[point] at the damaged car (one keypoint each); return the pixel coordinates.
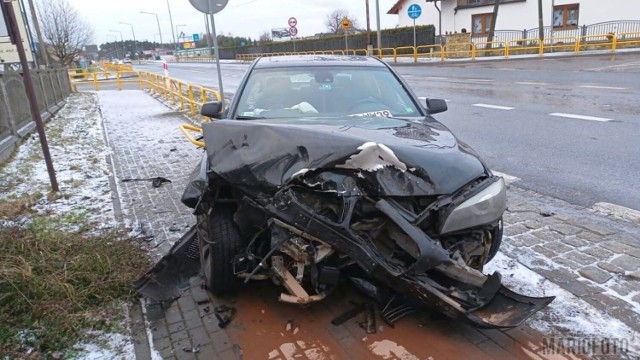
(325, 169)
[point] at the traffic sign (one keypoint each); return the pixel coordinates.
(209, 6)
(196, 37)
(414, 11)
(346, 24)
(293, 22)
(293, 31)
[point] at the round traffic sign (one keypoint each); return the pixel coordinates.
(293, 22)
(209, 6)
(293, 31)
(414, 11)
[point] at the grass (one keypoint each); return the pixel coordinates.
(55, 284)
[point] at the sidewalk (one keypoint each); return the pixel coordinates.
(589, 261)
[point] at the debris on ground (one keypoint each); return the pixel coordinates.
(156, 182)
(224, 314)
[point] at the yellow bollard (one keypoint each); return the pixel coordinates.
(191, 104)
(95, 81)
(118, 81)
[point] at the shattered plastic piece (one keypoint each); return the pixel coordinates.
(224, 314)
(347, 315)
(156, 182)
(195, 349)
(289, 325)
(295, 331)
(547, 213)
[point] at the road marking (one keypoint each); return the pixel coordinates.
(618, 211)
(531, 83)
(508, 179)
(437, 78)
(497, 107)
(602, 87)
(580, 117)
(480, 80)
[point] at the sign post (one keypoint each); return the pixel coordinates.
(211, 7)
(346, 25)
(16, 38)
(414, 12)
(293, 30)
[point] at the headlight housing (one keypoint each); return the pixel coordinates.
(484, 207)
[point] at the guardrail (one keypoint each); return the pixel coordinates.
(189, 96)
(481, 49)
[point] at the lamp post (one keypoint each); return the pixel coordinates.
(135, 44)
(379, 42)
(158, 21)
(115, 43)
(124, 51)
(178, 32)
(171, 23)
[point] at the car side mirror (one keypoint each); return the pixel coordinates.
(212, 109)
(435, 106)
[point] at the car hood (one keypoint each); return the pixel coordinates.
(385, 156)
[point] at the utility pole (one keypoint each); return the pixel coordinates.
(14, 33)
(492, 27)
(378, 24)
(36, 25)
(171, 22)
(368, 24)
(540, 21)
(209, 45)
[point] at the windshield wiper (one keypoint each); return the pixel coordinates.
(249, 117)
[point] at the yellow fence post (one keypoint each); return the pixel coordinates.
(541, 44)
(473, 51)
(118, 82)
(506, 50)
(191, 104)
(172, 86)
(95, 82)
(614, 43)
(180, 95)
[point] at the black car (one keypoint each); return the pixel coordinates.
(326, 169)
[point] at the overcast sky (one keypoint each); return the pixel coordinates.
(240, 17)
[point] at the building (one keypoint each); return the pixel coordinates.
(8, 52)
(518, 19)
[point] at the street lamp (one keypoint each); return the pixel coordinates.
(158, 21)
(178, 32)
(124, 52)
(171, 23)
(135, 46)
(115, 43)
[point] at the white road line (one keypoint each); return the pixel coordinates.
(531, 83)
(437, 78)
(602, 87)
(580, 117)
(480, 80)
(508, 179)
(497, 107)
(618, 211)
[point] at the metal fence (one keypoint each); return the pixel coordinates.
(554, 35)
(51, 87)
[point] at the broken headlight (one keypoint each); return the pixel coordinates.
(482, 208)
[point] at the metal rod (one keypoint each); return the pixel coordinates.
(171, 22)
(7, 8)
(217, 55)
(414, 32)
(378, 24)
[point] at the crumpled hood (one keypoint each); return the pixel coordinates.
(395, 157)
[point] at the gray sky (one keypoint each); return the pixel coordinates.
(240, 17)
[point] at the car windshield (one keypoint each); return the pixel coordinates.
(325, 92)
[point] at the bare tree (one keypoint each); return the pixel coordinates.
(334, 20)
(265, 37)
(64, 30)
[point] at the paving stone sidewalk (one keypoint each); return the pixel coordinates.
(592, 256)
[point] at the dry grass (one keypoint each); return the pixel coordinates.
(55, 285)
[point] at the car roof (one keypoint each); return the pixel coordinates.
(317, 60)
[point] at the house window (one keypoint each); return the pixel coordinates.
(480, 23)
(566, 16)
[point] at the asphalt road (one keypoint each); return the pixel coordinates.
(566, 127)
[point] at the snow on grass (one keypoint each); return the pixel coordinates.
(78, 151)
(567, 315)
(106, 347)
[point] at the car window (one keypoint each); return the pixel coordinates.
(325, 92)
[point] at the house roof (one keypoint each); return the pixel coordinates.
(395, 9)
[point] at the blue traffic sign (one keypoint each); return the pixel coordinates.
(414, 11)
(196, 37)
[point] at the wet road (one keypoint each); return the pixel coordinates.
(566, 127)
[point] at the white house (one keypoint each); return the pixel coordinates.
(569, 17)
(8, 52)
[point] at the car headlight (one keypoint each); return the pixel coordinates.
(485, 207)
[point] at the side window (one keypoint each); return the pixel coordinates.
(566, 16)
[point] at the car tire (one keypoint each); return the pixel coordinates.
(495, 245)
(219, 244)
